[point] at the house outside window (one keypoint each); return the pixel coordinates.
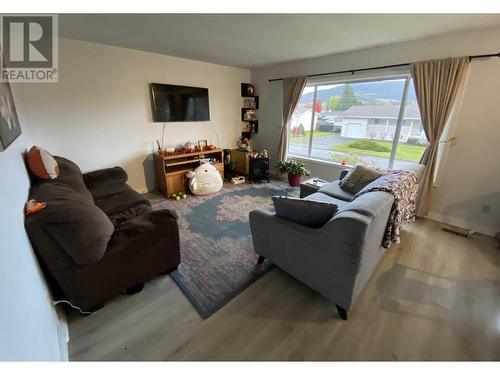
(358, 122)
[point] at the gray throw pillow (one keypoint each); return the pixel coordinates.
(302, 211)
(358, 178)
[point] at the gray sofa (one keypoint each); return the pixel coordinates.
(338, 259)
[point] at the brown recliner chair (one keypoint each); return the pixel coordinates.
(98, 237)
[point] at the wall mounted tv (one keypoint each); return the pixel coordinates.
(172, 103)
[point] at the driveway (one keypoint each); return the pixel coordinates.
(323, 142)
(321, 150)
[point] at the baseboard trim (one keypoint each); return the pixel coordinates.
(479, 228)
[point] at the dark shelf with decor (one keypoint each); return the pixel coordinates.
(248, 111)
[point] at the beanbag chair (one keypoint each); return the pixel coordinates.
(204, 180)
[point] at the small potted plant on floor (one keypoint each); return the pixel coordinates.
(295, 170)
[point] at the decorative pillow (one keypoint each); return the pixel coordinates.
(358, 178)
(302, 211)
(42, 164)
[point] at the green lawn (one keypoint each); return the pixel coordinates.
(404, 152)
(306, 135)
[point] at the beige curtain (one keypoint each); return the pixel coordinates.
(437, 84)
(292, 89)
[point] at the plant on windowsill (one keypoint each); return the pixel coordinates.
(295, 170)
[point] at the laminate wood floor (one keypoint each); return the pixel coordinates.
(435, 296)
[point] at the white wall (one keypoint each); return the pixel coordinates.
(28, 322)
(99, 114)
(469, 191)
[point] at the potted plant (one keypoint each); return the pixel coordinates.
(295, 170)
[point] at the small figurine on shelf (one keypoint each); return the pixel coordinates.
(179, 150)
(249, 115)
(250, 89)
(189, 147)
(203, 143)
(259, 155)
(244, 144)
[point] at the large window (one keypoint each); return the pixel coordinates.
(372, 122)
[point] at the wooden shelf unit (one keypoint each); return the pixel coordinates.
(170, 170)
(252, 123)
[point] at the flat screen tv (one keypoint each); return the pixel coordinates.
(172, 103)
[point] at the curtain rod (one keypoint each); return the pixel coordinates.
(352, 71)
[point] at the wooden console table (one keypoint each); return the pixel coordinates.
(170, 170)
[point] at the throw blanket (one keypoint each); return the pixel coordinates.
(403, 186)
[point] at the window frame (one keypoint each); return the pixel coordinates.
(399, 122)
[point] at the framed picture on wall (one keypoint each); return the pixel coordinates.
(10, 128)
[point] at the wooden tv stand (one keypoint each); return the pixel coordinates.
(170, 170)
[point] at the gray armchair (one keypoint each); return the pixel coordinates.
(336, 260)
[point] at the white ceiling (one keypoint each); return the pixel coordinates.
(253, 40)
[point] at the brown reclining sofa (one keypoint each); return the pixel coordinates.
(98, 237)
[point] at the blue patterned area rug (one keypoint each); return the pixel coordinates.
(217, 257)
